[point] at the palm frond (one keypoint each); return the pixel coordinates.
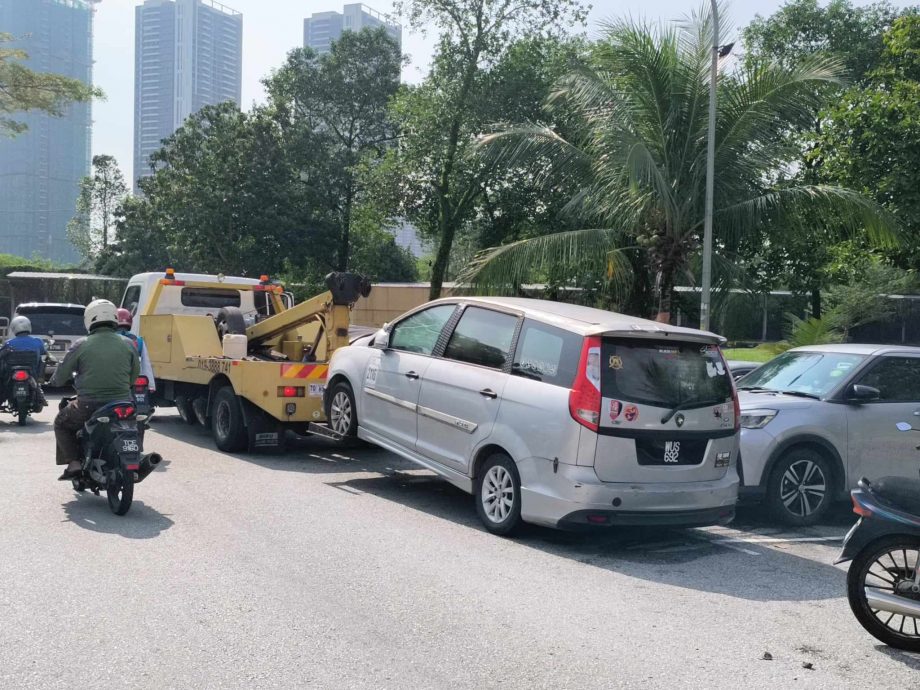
(505, 268)
(538, 149)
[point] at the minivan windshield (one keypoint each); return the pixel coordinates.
(814, 374)
(64, 322)
(663, 373)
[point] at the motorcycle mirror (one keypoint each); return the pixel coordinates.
(904, 426)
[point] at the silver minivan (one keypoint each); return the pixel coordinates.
(549, 413)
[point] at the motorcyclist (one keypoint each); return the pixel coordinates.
(104, 366)
(24, 341)
(125, 320)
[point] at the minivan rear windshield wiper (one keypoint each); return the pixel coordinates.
(688, 404)
(755, 388)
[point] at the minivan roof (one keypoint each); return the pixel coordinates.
(858, 349)
(588, 320)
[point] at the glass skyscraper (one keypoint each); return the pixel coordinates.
(322, 28)
(188, 54)
(40, 170)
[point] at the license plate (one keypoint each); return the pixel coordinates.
(129, 445)
(21, 392)
(140, 399)
(669, 453)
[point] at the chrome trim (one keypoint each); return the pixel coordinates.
(450, 420)
(390, 399)
(892, 603)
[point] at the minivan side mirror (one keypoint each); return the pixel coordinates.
(862, 393)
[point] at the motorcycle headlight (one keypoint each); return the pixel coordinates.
(756, 419)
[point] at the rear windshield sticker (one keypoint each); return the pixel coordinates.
(631, 413)
(593, 370)
(615, 362)
(615, 407)
(716, 368)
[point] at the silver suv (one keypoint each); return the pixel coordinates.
(549, 413)
(816, 419)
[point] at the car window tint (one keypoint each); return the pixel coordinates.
(482, 337)
(546, 353)
(419, 332)
(897, 379)
(210, 298)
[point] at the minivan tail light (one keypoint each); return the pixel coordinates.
(736, 401)
(585, 397)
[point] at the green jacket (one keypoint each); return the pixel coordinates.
(103, 365)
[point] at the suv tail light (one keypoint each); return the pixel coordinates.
(21, 375)
(585, 397)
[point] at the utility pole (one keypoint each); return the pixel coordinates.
(710, 173)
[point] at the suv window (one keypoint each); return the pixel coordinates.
(546, 353)
(131, 299)
(482, 337)
(663, 373)
(419, 332)
(210, 298)
(897, 378)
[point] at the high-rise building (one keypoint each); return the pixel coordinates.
(187, 54)
(41, 169)
(322, 28)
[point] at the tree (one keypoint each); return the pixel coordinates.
(333, 113)
(22, 89)
(100, 196)
(871, 141)
(638, 153)
(438, 119)
(795, 251)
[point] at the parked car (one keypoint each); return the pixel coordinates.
(549, 413)
(816, 419)
(59, 324)
(740, 368)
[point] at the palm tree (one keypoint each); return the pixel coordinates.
(636, 113)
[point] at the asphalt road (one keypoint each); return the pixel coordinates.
(327, 568)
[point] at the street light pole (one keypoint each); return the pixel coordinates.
(710, 173)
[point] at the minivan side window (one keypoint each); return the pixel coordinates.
(897, 379)
(131, 299)
(419, 333)
(483, 337)
(546, 353)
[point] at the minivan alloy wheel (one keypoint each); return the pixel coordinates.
(497, 493)
(340, 412)
(803, 487)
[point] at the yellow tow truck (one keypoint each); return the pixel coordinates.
(242, 359)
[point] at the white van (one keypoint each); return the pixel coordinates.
(179, 299)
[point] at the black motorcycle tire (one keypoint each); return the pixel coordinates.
(78, 485)
(23, 413)
(120, 493)
(856, 578)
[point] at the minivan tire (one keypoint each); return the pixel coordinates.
(227, 424)
(804, 466)
(498, 472)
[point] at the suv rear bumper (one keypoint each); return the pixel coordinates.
(567, 496)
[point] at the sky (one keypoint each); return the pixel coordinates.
(273, 27)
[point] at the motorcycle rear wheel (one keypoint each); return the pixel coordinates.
(120, 493)
(23, 414)
(881, 563)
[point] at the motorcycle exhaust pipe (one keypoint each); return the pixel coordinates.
(147, 465)
(892, 603)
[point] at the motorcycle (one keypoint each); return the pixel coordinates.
(113, 450)
(883, 583)
(22, 388)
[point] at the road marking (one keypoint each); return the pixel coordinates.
(776, 540)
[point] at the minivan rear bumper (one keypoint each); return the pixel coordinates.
(568, 496)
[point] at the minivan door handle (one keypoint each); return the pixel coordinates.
(488, 393)
(411, 375)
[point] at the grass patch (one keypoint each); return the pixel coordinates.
(761, 353)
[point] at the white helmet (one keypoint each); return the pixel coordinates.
(19, 325)
(98, 312)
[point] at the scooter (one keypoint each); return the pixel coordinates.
(22, 389)
(883, 583)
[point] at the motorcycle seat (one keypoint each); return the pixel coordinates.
(899, 493)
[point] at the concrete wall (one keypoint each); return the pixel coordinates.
(387, 301)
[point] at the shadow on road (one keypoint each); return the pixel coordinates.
(92, 512)
(911, 660)
(687, 558)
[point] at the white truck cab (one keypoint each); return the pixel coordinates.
(179, 299)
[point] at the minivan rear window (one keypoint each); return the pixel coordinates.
(663, 373)
(546, 353)
(210, 298)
